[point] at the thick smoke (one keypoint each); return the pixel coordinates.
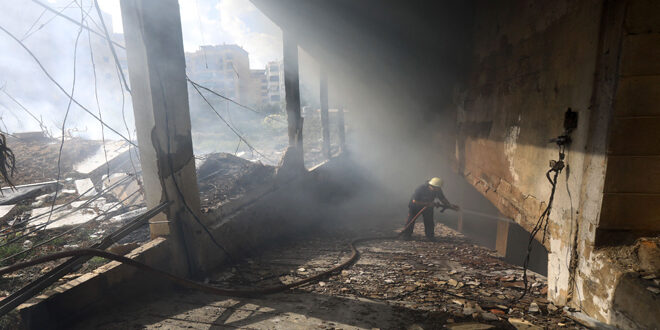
(52, 40)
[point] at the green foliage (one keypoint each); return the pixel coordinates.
(96, 262)
(9, 250)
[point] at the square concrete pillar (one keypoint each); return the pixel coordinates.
(292, 162)
(156, 65)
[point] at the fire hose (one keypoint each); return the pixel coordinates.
(355, 255)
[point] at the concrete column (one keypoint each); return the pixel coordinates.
(325, 121)
(156, 66)
(292, 162)
(502, 237)
(341, 130)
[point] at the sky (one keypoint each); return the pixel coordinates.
(214, 22)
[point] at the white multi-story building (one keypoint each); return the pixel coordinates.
(275, 79)
(222, 68)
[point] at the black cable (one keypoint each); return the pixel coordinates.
(43, 126)
(66, 115)
(131, 149)
(544, 219)
(62, 88)
(45, 23)
(25, 35)
(170, 163)
(228, 99)
(112, 47)
(201, 32)
(96, 95)
(72, 21)
(227, 123)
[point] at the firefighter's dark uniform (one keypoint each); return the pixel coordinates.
(424, 194)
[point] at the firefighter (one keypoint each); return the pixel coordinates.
(425, 196)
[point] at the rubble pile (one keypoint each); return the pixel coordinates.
(42, 215)
(452, 280)
(36, 160)
(223, 176)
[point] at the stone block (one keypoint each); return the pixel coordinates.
(640, 55)
(124, 190)
(648, 253)
(635, 136)
(633, 305)
(638, 96)
(85, 187)
(642, 16)
(630, 212)
(632, 175)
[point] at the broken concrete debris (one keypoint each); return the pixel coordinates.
(38, 219)
(24, 192)
(223, 177)
(85, 187)
(6, 211)
(533, 308)
(128, 191)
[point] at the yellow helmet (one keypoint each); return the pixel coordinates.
(436, 182)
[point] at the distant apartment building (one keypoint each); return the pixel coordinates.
(259, 88)
(275, 79)
(226, 70)
(222, 68)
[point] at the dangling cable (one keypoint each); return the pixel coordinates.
(556, 166)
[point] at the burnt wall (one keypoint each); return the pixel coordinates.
(531, 62)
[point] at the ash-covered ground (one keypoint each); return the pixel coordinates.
(451, 283)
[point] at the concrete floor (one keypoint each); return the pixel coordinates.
(414, 284)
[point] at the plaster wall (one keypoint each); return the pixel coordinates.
(531, 62)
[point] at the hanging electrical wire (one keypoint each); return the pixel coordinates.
(227, 123)
(131, 149)
(33, 25)
(201, 32)
(71, 20)
(556, 167)
(114, 43)
(110, 44)
(27, 35)
(170, 163)
(96, 93)
(66, 115)
(50, 77)
(43, 126)
(195, 84)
